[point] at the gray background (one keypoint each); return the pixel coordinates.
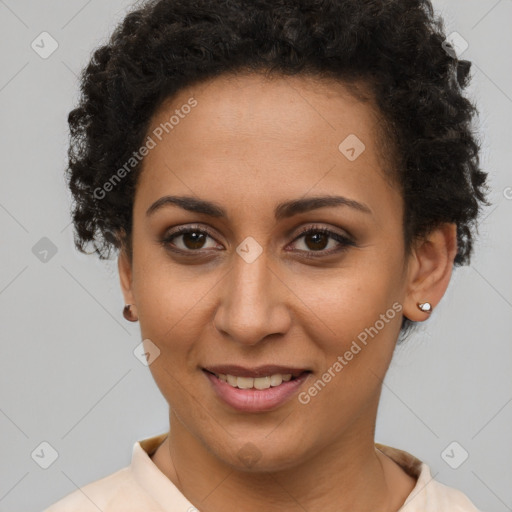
(68, 375)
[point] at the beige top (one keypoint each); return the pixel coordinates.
(141, 486)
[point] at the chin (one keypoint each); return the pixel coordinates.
(262, 456)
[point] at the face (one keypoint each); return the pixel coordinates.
(265, 282)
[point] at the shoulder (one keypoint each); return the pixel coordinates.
(118, 492)
(428, 495)
(439, 497)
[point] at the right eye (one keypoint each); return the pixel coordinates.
(192, 239)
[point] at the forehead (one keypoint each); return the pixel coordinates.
(293, 110)
(259, 137)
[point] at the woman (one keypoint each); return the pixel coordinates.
(288, 185)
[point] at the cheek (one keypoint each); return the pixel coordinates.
(169, 299)
(357, 320)
(362, 343)
(346, 303)
(355, 362)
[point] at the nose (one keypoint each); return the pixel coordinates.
(252, 302)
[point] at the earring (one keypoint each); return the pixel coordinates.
(128, 313)
(426, 307)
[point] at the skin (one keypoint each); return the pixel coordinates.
(249, 144)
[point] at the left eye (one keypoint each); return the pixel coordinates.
(316, 238)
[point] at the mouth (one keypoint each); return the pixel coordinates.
(255, 389)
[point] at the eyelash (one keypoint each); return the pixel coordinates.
(343, 240)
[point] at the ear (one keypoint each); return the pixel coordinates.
(429, 270)
(124, 265)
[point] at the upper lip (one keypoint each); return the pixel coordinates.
(255, 371)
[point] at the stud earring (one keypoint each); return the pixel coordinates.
(426, 307)
(128, 313)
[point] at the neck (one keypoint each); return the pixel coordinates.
(345, 476)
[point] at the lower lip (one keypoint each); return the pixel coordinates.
(256, 400)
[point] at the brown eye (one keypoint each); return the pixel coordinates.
(317, 239)
(192, 239)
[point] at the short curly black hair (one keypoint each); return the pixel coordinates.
(396, 47)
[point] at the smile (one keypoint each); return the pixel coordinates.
(257, 390)
(255, 383)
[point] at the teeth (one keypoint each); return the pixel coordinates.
(262, 382)
(257, 383)
(275, 380)
(245, 382)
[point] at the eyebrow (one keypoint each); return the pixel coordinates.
(282, 210)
